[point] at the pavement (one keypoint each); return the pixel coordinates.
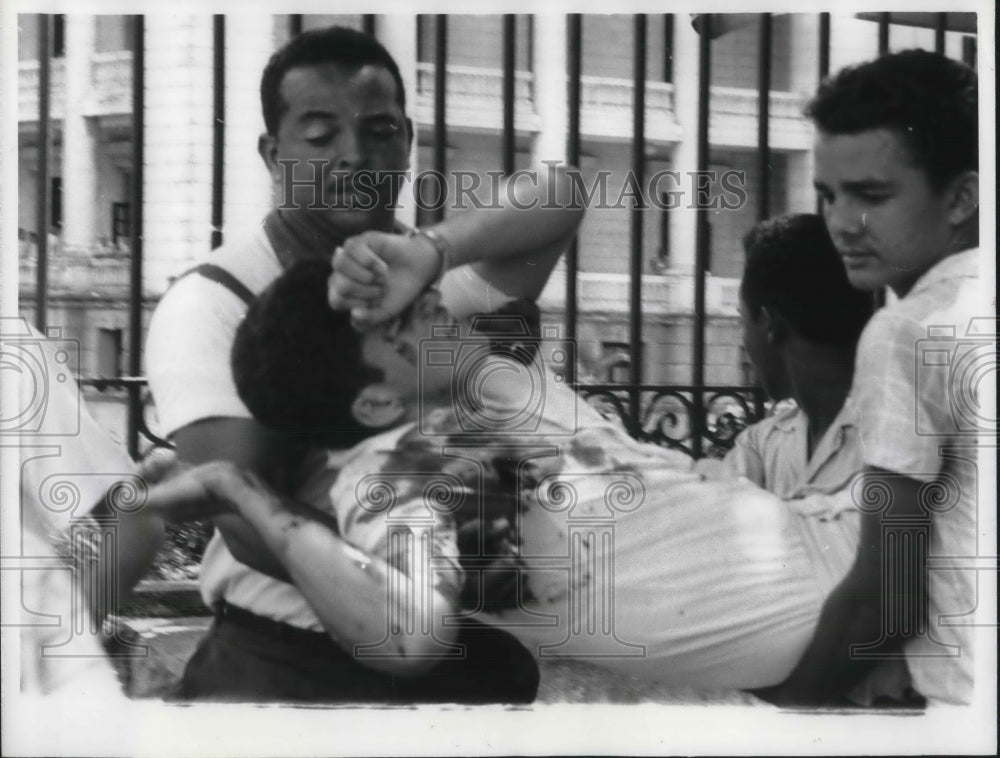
(171, 641)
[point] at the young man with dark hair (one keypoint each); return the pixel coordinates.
(897, 169)
(335, 112)
(301, 369)
(801, 324)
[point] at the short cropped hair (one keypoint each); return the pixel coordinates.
(792, 268)
(298, 366)
(931, 101)
(297, 362)
(334, 44)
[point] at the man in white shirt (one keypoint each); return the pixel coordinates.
(801, 324)
(83, 523)
(333, 101)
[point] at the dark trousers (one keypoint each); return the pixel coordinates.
(248, 658)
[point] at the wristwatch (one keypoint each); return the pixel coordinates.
(441, 245)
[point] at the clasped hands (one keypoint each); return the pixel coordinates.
(377, 275)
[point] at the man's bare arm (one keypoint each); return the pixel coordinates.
(516, 246)
(513, 247)
(250, 446)
(346, 587)
(857, 609)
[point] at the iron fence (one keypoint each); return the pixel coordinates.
(696, 418)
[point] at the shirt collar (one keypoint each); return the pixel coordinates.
(961, 265)
(293, 243)
(792, 419)
(787, 415)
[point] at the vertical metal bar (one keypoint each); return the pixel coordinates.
(574, 58)
(941, 24)
(440, 89)
(509, 51)
(824, 69)
(218, 125)
(638, 173)
(531, 43)
(42, 190)
(764, 119)
(135, 201)
(824, 45)
(702, 240)
(294, 24)
(668, 47)
(368, 24)
(883, 33)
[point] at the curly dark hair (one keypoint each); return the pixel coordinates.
(297, 362)
(793, 268)
(334, 44)
(931, 101)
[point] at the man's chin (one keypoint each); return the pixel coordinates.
(866, 281)
(347, 222)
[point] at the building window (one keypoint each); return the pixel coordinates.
(109, 353)
(661, 262)
(969, 51)
(616, 362)
(58, 36)
(120, 223)
(57, 202)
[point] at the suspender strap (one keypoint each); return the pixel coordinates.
(222, 277)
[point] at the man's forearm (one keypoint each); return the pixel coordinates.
(881, 601)
(121, 562)
(533, 221)
(249, 446)
(827, 669)
(348, 589)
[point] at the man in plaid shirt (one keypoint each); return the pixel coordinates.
(896, 165)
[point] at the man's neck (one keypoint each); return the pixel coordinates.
(821, 380)
(295, 239)
(301, 235)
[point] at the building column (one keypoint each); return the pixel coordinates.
(177, 201)
(80, 195)
(247, 186)
(550, 84)
(684, 220)
(804, 70)
(398, 32)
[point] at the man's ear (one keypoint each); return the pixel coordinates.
(267, 148)
(775, 326)
(378, 406)
(409, 139)
(964, 200)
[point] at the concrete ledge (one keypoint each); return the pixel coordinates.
(158, 598)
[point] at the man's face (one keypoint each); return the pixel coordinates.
(395, 349)
(883, 216)
(348, 122)
(763, 353)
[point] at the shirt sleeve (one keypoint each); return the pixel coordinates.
(465, 292)
(187, 354)
(745, 458)
(890, 400)
(70, 463)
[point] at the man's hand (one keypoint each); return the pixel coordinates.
(377, 275)
(187, 493)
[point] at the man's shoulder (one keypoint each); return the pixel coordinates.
(249, 259)
(949, 293)
(783, 418)
(895, 325)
